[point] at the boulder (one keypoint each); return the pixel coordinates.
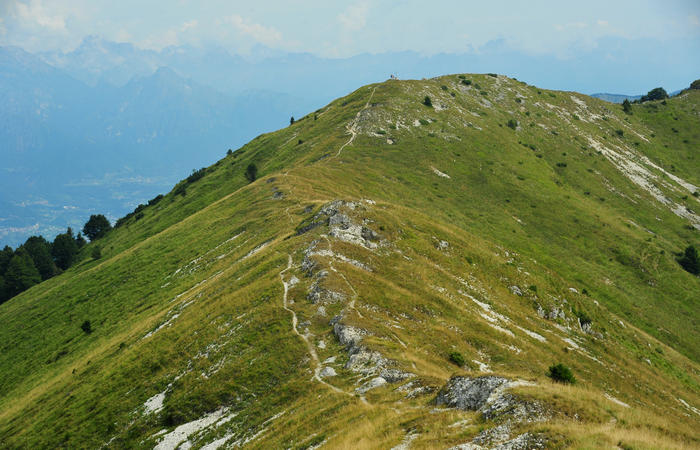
(469, 393)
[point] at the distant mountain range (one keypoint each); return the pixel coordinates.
(616, 98)
(619, 98)
(71, 148)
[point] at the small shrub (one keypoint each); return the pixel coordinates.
(690, 261)
(443, 87)
(583, 318)
(291, 119)
(619, 132)
(229, 152)
(86, 327)
(492, 75)
(484, 93)
(251, 172)
(96, 252)
(196, 175)
(155, 200)
(427, 101)
(512, 123)
(466, 82)
(561, 164)
(457, 358)
(423, 122)
(561, 374)
(627, 106)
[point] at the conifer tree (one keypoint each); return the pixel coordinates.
(64, 249)
(21, 273)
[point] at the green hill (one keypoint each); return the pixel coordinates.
(398, 274)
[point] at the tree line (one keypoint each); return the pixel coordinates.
(38, 259)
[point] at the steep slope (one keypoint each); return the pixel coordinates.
(320, 304)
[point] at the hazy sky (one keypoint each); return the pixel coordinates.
(346, 28)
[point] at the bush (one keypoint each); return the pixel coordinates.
(96, 252)
(690, 261)
(561, 374)
(251, 172)
(457, 358)
(658, 93)
(512, 123)
(583, 317)
(86, 327)
(627, 106)
(155, 200)
(196, 175)
(466, 82)
(229, 152)
(695, 84)
(619, 132)
(427, 101)
(291, 120)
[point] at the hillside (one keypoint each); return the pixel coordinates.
(324, 304)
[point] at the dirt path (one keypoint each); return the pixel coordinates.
(309, 345)
(352, 127)
(351, 304)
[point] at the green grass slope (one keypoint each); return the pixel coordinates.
(319, 305)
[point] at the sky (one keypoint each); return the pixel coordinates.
(346, 28)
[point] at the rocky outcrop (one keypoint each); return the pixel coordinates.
(319, 294)
(469, 393)
(488, 395)
(367, 362)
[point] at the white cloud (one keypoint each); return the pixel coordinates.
(265, 35)
(35, 12)
(602, 23)
(160, 41)
(694, 20)
(354, 17)
(123, 36)
(189, 25)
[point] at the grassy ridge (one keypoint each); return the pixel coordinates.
(538, 207)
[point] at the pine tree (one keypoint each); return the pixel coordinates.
(80, 241)
(64, 249)
(6, 255)
(21, 273)
(3, 292)
(39, 250)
